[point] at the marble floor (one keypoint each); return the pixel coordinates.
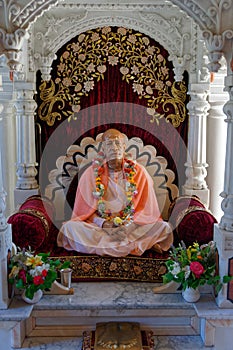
(161, 343)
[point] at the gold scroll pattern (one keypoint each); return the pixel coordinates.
(84, 62)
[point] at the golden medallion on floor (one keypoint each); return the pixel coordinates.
(118, 336)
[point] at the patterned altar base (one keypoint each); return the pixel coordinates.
(130, 268)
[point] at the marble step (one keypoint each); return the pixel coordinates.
(160, 342)
(70, 315)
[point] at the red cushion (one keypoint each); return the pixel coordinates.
(32, 222)
(191, 221)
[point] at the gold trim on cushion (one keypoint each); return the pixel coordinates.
(180, 198)
(37, 214)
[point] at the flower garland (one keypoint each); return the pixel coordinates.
(126, 214)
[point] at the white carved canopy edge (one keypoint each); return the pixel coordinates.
(80, 156)
(214, 18)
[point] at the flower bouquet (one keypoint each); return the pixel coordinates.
(194, 266)
(32, 272)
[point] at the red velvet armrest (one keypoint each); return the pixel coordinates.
(32, 222)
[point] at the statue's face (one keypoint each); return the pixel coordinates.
(114, 148)
(113, 145)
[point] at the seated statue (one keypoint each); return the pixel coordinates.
(115, 211)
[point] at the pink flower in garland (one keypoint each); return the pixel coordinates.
(197, 268)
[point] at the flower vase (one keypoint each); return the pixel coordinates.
(36, 298)
(191, 295)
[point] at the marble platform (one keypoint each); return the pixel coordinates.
(160, 343)
(175, 323)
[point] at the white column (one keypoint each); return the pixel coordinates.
(7, 136)
(223, 233)
(25, 105)
(196, 160)
(216, 142)
(8, 146)
(5, 239)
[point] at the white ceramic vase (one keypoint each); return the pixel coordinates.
(37, 296)
(191, 295)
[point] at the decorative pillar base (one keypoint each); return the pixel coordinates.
(224, 244)
(203, 194)
(21, 195)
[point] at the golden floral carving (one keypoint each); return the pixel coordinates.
(84, 62)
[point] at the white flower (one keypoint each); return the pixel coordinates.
(127, 185)
(187, 271)
(97, 194)
(176, 268)
(101, 206)
(38, 270)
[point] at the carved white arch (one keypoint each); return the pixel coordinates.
(168, 41)
(44, 45)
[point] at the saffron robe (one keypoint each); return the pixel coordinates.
(83, 235)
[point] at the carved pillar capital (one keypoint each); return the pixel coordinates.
(198, 105)
(25, 103)
(46, 66)
(215, 44)
(12, 43)
(179, 63)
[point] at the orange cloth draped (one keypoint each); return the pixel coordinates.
(145, 202)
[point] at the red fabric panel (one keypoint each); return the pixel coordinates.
(32, 222)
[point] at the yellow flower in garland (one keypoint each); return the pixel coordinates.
(117, 221)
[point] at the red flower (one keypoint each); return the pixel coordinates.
(37, 280)
(197, 268)
(44, 273)
(22, 275)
